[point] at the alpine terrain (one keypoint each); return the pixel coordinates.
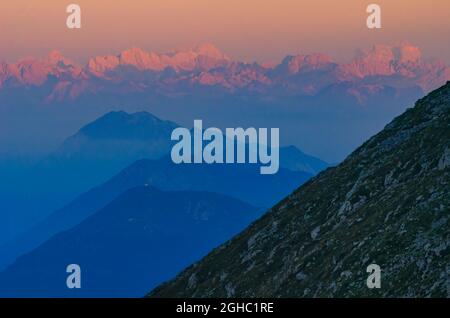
(388, 204)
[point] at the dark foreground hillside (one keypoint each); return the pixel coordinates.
(388, 203)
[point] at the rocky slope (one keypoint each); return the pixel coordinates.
(388, 203)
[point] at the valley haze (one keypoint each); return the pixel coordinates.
(337, 104)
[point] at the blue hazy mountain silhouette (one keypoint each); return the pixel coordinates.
(241, 181)
(107, 145)
(94, 154)
(141, 238)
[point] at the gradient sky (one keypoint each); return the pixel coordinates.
(262, 30)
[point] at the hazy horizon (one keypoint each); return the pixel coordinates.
(262, 31)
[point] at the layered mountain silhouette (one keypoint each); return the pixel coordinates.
(141, 238)
(95, 156)
(242, 181)
(388, 204)
(98, 151)
(135, 71)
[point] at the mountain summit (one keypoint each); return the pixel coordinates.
(181, 60)
(404, 60)
(388, 204)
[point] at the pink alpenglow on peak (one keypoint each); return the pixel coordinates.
(202, 57)
(209, 50)
(384, 60)
(101, 64)
(407, 53)
(184, 70)
(297, 63)
(32, 71)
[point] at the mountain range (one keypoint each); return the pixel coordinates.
(387, 204)
(204, 67)
(335, 105)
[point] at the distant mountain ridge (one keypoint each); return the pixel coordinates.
(202, 57)
(179, 72)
